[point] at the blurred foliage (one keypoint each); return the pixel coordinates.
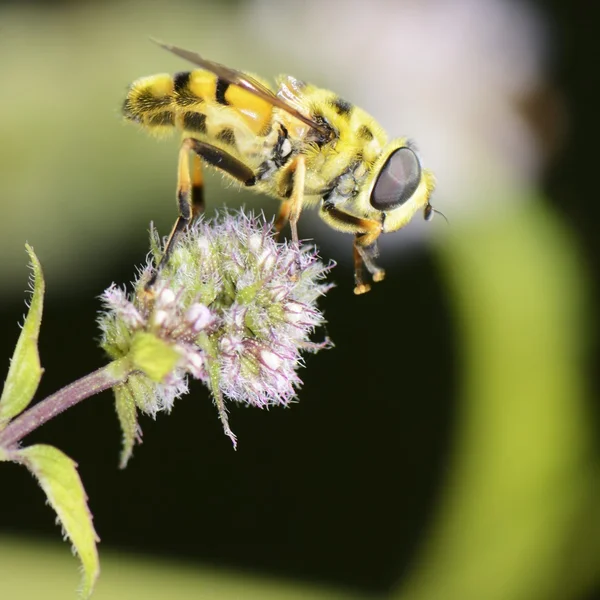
(128, 577)
(525, 480)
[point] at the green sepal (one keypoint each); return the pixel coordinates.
(153, 356)
(126, 411)
(58, 477)
(25, 369)
(214, 373)
(155, 244)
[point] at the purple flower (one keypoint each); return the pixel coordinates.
(232, 307)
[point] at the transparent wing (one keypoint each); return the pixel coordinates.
(291, 91)
(245, 82)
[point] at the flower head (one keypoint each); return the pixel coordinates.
(231, 307)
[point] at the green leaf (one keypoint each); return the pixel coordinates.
(58, 477)
(25, 370)
(126, 411)
(153, 356)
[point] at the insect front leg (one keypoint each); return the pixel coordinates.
(365, 251)
(366, 232)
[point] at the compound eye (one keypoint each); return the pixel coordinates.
(398, 180)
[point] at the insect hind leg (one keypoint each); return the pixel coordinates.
(190, 201)
(197, 191)
(190, 188)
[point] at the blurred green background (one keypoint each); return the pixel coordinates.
(459, 460)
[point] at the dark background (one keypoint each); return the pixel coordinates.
(342, 487)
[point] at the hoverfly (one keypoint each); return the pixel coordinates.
(301, 144)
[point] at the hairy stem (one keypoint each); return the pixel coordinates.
(45, 410)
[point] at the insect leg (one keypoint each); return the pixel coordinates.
(365, 252)
(366, 232)
(297, 196)
(198, 205)
(292, 189)
(216, 157)
(282, 217)
(190, 190)
(184, 203)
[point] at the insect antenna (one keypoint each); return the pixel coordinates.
(429, 211)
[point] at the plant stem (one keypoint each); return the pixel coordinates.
(94, 383)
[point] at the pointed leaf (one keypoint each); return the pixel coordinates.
(25, 371)
(58, 477)
(127, 413)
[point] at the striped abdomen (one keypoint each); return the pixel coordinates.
(185, 99)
